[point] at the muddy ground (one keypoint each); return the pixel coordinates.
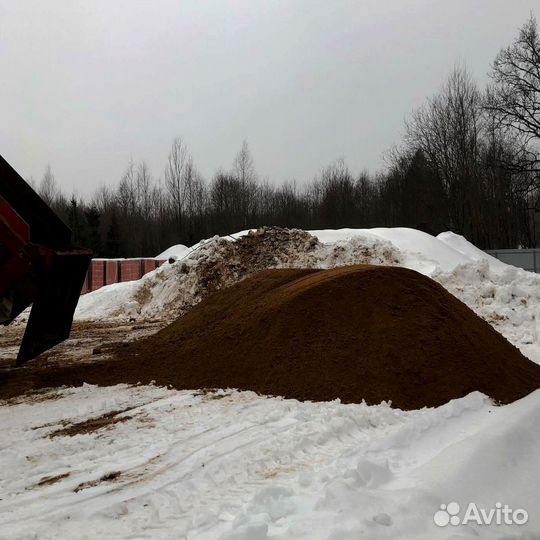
(90, 342)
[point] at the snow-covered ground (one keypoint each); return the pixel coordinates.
(154, 463)
(235, 465)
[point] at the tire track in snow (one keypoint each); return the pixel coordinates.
(245, 440)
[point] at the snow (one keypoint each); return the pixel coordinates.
(461, 244)
(510, 300)
(424, 252)
(177, 251)
(235, 465)
(109, 301)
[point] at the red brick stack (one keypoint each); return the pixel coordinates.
(107, 271)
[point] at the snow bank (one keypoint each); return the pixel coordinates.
(235, 465)
(422, 252)
(459, 243)
(217, 262)
(510, 300)
(116, 300)
(507, 297)
(176, 252)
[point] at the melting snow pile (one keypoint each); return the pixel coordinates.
(505, 296)
(174, 252)
(218, 262)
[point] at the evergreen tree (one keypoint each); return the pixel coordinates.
(93, 219)
(76, 223)
(112, 241)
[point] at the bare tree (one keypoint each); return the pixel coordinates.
(243, 165)
(194, 198)
(225, 196)
(48, 189)
(127, 191)
(103, 199)
(143, 183)
(174, 179)
(448, 130)
(244, 171)
(513, 99)
(337, 187)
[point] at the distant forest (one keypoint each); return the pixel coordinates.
(469, 163)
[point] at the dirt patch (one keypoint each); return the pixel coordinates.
(110, 477)
(49, 480)
(143, 295)
(91, 425)
(39, 396)
(356, 333)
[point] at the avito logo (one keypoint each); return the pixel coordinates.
(449, 514)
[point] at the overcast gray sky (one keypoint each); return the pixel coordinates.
(86, 85)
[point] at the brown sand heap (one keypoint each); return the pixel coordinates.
(358, 332)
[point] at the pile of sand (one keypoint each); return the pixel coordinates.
(359, 332)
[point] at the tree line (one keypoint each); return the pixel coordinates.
(469, 162)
